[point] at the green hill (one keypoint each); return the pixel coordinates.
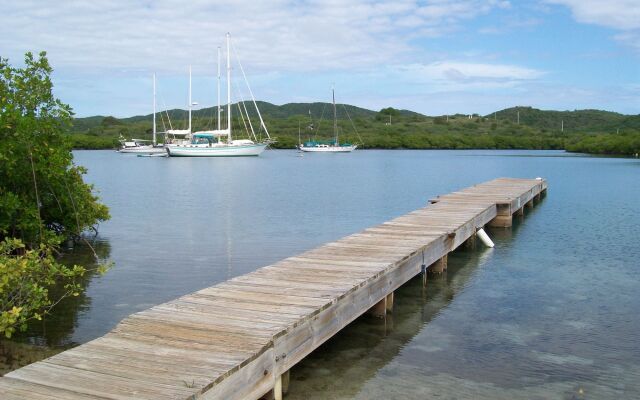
(583, 121)
(592, 131)
(267, 110)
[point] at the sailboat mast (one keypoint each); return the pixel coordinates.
(190, 102)
(154, 109)
(228, 88)
(335, 116)
(219, 88)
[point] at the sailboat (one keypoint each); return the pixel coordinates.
(140, 146)
(329, 146)
(219, 142)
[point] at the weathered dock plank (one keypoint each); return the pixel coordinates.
(235, 340)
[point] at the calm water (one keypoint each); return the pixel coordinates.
(550, 313)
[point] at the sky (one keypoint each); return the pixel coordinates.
(435, 57)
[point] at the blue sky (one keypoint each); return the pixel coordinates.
(435, 57)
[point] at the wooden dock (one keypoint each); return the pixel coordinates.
(238, 339)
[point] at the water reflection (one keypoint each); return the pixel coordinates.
(53, 334)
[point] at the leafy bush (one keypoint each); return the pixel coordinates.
(43, 198)
(27, 275)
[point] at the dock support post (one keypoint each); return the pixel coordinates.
(520, 211)
(439, 266)
(529, 203)
(470, 243)
(277, 388)
(502, 221)
(286, 378)
(381, 308)
(503, 217)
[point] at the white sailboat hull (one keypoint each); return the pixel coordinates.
(329, 149)
(216, 151)
(142, 150)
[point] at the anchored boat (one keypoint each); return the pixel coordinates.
(141, 146)
(328, 146)
(138, 146)
(219, 142)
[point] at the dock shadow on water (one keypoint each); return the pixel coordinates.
(341, 367)
(52, 335)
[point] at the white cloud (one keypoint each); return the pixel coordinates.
(631, 39)
(103, 51)
(510, 24)
(458, 75)
(620, 15)
(277, 34)
(616, 14)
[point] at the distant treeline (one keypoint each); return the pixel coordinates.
(618, 144)
(92, 142)
(589, 131)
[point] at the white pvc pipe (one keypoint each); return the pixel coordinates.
(485, 238)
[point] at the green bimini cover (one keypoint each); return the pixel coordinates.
(203, 135)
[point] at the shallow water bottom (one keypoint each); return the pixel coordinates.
(414, 353)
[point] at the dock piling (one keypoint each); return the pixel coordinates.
(277, 389)
(286, 378)
(389, 302)
(381, 308)
(439, 266)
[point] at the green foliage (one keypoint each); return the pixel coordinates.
(42, 195)
(389, 111)
(386, 113)
(93, 141)
(622, 144)
(578, 121)
(26, 277)
(39, 184)
(110, 121)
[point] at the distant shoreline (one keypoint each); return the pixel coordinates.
(434, 149)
